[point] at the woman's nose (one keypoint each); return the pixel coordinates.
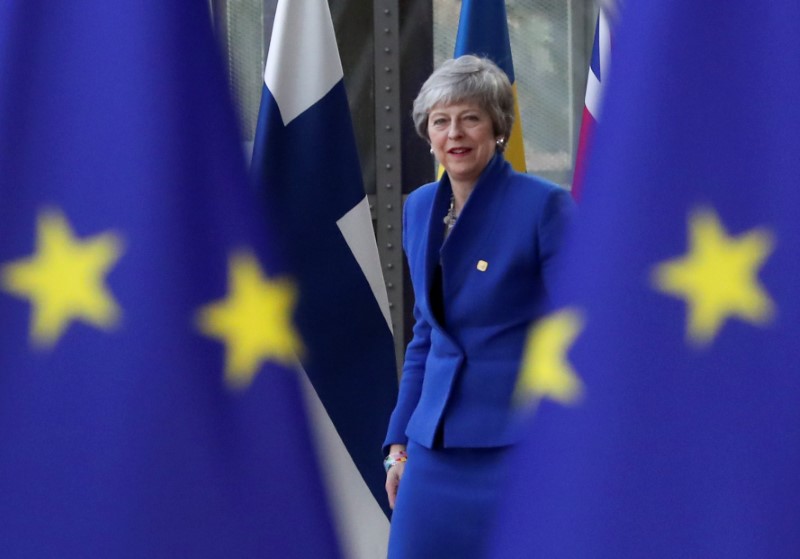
(455, 130)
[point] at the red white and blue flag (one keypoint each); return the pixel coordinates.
(598, 74)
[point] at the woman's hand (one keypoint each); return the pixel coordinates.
(394, 474)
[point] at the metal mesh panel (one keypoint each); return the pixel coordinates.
(550, 44)
(353, 20)
(244, 41)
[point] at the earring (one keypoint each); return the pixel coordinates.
(500, 142)
(431, 151)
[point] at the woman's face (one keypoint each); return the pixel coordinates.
(462, 138)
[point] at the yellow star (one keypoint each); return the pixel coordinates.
(64, 279)
(254, 321)
(718, 278)
(546, 371)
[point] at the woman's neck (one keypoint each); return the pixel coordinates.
(461, 192)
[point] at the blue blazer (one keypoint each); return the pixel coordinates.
(497, 267)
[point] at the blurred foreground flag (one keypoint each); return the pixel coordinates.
(305, 160)
(146, 406)
(668, 383)
(483, 31)
(599, 67)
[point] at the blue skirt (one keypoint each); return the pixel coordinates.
(446, 502)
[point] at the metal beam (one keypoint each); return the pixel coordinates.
(388, 201)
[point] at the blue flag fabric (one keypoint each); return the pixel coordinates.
(146, 406)
(483, 31)
(305, 159)
(667, 381)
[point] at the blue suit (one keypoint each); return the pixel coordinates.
(497, 266)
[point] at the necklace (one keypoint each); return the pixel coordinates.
(451, 217)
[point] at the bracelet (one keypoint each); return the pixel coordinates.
(394, 458)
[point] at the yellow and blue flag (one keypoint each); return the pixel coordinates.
(483, 31)
(666, 381)
(147, 404)
(305, 161)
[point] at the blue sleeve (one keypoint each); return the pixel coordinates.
(410, 381)
(554, 222)
(413, 367)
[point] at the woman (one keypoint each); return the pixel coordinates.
(480, 245)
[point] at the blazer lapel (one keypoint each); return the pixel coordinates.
(435, 236)
(466, 245)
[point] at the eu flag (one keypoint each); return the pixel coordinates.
(666, 382)
(146, 406)
(305, 160)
